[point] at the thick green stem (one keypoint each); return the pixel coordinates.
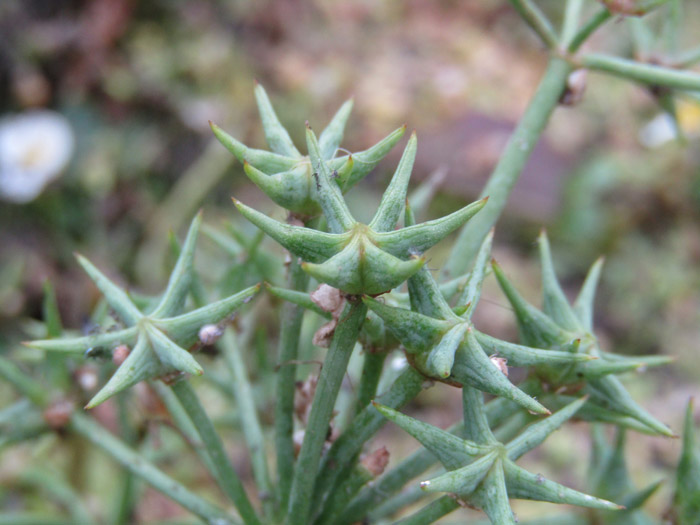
(587, 30)
(347, 447)
(250, 423)
(645, 73)
(510, 165)
(371, 372)
(225, 476)
(431, 512)
(286, 375)
(329, 382)
(84, 426)
(536, 19)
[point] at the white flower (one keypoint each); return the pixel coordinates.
(35, 146)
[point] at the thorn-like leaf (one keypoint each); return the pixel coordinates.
(525, 485)
(79, 345)
(442, 356)
(536, 328)
(451, 450)
(394, 197)
(330, 196)
(473, 367)
(141, 364)
(519, 355)
(583, 306)
(555, 303)
(472, 289)
(462, 480)
(420, 237)
(332, 135)
(115, 296)
(184, 328)
(536, 433)
(265, 161)
(173, 299)
(365, 161)
(310, 245)
(417, 332)
(276, 135)
(171, 354)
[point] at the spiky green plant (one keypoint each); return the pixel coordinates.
(322, 477)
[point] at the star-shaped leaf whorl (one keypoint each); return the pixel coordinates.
(158, 339)
(441, 342)
(285, 175)
(482, 471)
(358, 258)
(562, 327)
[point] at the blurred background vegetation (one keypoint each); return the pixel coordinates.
(139, 81)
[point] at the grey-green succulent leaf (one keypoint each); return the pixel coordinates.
(117, 298)
(173, 299)
(394, 198)
(265, 161)
(583, 305)
(555, 303)
(276, 135)
(472, 289)
(420, 237)
(365, 161)
(451, 451)
(329, 195)
(331, 137)
(526, 485)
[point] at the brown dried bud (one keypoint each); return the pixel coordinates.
(57, 414)
(119, 354)
(298, 439)
(324, 334)
(575, 88)
(376, 462)
(328, 299)
(210, 334)
(304, 397)
(501, 363)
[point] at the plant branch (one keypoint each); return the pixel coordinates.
(86, 427)
(572, 14)
(346, 448)
(329, 382)
(288, 351)
(224, 474)
(536, 19)
(371, 372)
(250, 423)
(510, 165)
(587, 30)
(645, 73)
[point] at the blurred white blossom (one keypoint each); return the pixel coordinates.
(35, 147)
